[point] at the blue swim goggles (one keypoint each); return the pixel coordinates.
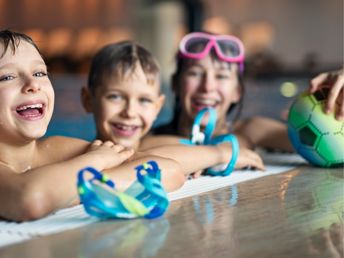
(200, 138)
(146, 197)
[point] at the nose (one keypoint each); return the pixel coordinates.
(208, 83)
(31, 85)
(130, 110)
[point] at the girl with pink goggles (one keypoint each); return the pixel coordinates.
(197, 45)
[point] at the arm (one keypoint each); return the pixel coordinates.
(42, 190)
(336, 80)
(196, 158)
(264, 132)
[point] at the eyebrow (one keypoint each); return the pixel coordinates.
(13, 64)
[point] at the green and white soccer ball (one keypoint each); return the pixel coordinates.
(316, 136)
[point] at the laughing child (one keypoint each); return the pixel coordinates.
(123, 93)
(38, 175)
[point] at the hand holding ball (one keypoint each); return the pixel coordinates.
(316, 136)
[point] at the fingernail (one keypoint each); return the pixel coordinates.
(339, 117)
(327, 111)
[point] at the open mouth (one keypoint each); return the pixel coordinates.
(200, 104)
(30, 112)
(125, 130)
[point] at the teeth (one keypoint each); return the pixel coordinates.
(124, 127)
(29, 106)
(209, 102)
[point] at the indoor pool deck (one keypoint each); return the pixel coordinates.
(273, 216)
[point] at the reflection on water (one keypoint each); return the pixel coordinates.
(319, 201)
(137, 238)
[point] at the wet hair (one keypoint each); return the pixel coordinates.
(122, 56)
(12, 39)
(182, 62)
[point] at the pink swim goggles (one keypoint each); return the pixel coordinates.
(228, 48)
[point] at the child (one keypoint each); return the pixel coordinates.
(123, 93)
(209, 74)
(38, 175)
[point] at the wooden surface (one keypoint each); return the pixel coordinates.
(273, 216)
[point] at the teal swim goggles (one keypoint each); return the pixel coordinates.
(146, 197)
(200, 138)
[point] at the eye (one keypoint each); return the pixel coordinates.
(39, 74)
(7, 78)
(145, 100)
(114, 97)
(194, 73)
(222, 76)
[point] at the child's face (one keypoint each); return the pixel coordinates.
(207, 83)
(26, 95)
(125, 107)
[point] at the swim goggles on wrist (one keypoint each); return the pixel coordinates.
(228, 48)
(146, 197)
(200, 138)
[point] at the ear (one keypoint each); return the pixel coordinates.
(160, 103)
(86, 99)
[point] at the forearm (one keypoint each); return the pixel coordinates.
(190, 158)
(264, 132)
(172, 176)
(41, 191)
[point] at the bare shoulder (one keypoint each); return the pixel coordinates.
(159, 140)
(61, 148)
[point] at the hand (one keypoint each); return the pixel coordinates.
(197, 174)
(111, 154)
(249, 158)
(246, 157)
(336, 80)
(326, 242)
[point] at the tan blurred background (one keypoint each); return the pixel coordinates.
(286, 41)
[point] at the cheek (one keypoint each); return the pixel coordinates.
(106, 110)
(148, 115)
(188, 87)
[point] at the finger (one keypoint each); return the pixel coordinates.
(97, 143)
(108, 143)
(196, 174)
(333, 94)
(258, 160)
(124, 155)
(317, 81)
(329, 247)
(118, 147)
(340, 114)
(336, 232)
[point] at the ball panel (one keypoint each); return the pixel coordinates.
(312, 156)
(294, 137)
(300, 110)
(323, 122)
(308, 136)
(331, 148)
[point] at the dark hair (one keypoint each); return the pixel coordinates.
(12, 39)
(122, 55)
(181, 62)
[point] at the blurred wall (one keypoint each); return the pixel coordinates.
(302, 28)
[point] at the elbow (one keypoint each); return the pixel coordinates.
(176, 178)
(33, 205)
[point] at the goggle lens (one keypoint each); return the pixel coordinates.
(228, 48)
(196, 45)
